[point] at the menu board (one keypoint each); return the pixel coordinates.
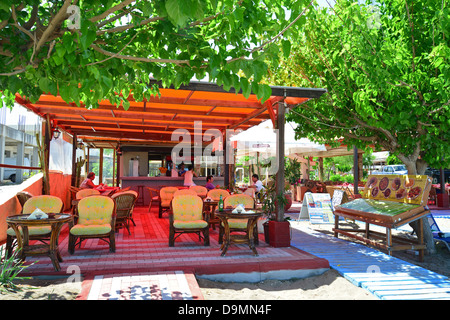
(412, 189)
(317, 207)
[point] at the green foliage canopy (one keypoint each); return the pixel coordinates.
(387, 72)
(92, 50)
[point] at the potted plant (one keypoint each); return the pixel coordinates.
(276, 233)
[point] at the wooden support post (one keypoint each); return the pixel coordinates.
(74, 160)
(280, 156)
(355, 171)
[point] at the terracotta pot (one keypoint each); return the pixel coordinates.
(288, 204)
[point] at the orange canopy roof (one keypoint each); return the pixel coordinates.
(153, 121)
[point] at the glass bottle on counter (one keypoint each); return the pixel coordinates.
(220, 204)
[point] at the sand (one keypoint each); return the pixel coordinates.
(328, 286)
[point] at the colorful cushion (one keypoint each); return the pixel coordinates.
(192, 224)
(235, 199)
(184, 191)
(237, 223)
(187, 208)
(86, 192)
(166, 194)
(32, 231)
(84, 230)
(95, 210)
(216, 193)
(48, 204)
(200, 190)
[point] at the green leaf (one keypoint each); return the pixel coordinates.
(286, 45)
(266, 92)
(44, 84)
(88, 34)
(246, 88)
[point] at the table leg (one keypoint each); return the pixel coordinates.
(54, 253)
(336, 225)
(226, 237)
(251, 241)
(389, 240)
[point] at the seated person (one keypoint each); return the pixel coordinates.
(88, 183)
(257, 184)
(209, 183)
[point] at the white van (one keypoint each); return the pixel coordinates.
(10, 173)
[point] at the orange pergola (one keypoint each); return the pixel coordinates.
(153, 121)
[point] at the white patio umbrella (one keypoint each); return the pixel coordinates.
(263, 139)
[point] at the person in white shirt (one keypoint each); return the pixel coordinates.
(189, 176)
(257, 184)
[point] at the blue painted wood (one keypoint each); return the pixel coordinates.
(396, 279)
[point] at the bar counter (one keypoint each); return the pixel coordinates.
(158, 182)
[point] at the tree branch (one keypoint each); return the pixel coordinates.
(141, 59)
(111, 10)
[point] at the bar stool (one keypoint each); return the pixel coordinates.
(140, 199)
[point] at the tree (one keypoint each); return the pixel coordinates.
(387, 72)
(92, 50)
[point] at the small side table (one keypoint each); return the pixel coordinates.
(211, 206)
(51, 250)
(235, 238)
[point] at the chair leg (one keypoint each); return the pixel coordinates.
(112, 241)
(171, 236)
(72, 241)
(160, 211)
(206, 236)
(150, 205)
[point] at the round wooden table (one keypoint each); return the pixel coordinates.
(248, 237)
(51, 249)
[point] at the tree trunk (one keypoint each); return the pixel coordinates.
(419, 166)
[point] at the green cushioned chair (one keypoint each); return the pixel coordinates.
(48, 204)
(187, 217)
(96, 219)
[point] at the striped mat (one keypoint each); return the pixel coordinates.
(386, 277)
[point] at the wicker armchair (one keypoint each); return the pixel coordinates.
(97, 219)
(86, 192)
(216, 193)
(154, 197)
(124, 207)
(187, 217)
(23, 196)
(166, 195)
(184, 191)
(202, 192)
(238, 225)
(48, 204)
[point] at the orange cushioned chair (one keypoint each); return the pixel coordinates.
(187, 217)
(96, 219)
(216, 193)
(86, 192)
(48, 204)
(166, 195)
(238, 225)
(202, 192)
